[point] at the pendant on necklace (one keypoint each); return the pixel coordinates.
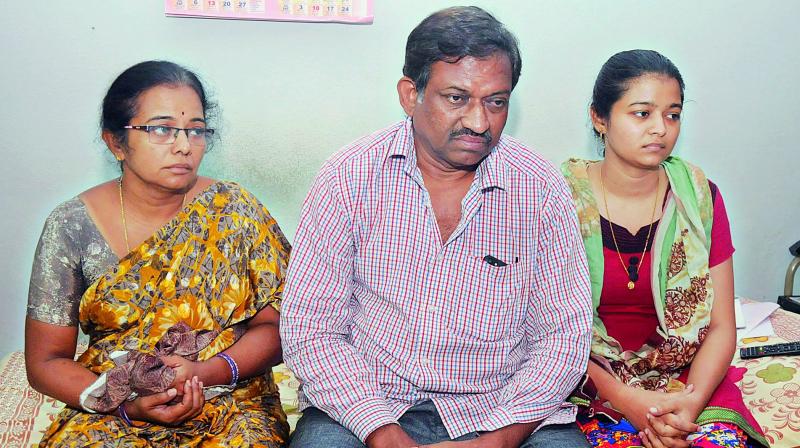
(631, 285)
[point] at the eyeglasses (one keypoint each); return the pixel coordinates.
(166, 135)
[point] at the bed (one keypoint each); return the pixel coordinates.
(770, 386)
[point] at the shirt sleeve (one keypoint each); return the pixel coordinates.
(559, 319)
(316, 318)
(57, 284)
(721, 241)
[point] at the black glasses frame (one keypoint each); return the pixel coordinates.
(207, 133)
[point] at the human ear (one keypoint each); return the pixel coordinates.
(114, 145)
(598, 123)
(407, 91)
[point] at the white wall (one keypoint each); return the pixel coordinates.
(293, 93)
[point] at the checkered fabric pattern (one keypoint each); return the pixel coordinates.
(379, 313)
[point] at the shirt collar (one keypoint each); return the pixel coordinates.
(491, 172)
(403, 143)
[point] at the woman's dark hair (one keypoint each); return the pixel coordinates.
(454, 33)
(122, 98)
(621, 69)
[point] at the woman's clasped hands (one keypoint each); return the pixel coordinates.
(162, 409)
(664, 420)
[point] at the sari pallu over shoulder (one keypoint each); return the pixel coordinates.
(681, 283)
(211, 268)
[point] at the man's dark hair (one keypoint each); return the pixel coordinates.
(454, 33)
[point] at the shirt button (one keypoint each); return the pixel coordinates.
(433, 309)
(424, 362)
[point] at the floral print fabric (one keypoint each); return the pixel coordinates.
(681, 286)
(682, 293)
(603, 434)
(70, 256)
(216, 264)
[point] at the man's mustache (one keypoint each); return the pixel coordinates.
(487, 136)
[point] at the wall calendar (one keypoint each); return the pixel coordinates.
(341, 11)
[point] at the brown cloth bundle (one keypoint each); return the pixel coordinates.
(137, 373)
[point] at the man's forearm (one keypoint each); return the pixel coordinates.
(510, 436)
(337, 380)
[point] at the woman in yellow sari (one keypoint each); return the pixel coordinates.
(175, 278)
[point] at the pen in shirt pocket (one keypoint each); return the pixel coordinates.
(494, 261)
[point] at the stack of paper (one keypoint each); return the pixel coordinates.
(755, 316)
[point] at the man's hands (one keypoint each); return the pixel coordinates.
(463, 444)
(472, 443)
(393, 436)
(510, 436)
(156, 408)
(390, 436)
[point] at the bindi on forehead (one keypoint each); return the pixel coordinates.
(183, 113)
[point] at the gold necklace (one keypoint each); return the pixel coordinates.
(631, 277)
(122, 211)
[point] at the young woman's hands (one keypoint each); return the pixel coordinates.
(673, 420)
(652, 414)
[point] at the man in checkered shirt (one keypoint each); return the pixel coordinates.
(438, 291)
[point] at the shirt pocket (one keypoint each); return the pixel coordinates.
(489, 302)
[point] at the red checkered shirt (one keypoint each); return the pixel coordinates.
(378, 314)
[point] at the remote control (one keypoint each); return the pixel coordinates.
(785, 349)
(790, 303)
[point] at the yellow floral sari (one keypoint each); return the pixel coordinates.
(216, 264)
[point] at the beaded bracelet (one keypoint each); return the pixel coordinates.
(123, 414)
(234, 368)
